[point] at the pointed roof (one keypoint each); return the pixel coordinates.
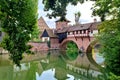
(42, 24)
(48, 33)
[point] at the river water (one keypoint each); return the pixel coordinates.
(53, 65)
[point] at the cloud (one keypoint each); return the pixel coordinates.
(85, 9)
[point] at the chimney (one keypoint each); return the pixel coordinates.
(95, 20)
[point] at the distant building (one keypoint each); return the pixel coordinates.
(42, 25)
(63, 31)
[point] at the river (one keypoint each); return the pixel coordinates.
(53, 65)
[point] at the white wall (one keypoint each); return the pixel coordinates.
(94, 32)
(45, 39)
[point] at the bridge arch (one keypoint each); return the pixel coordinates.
(92, 45)
(81, 42)
(64, 43)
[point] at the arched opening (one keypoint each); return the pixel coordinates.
(96, 55)
(63, 45)
(71, 50)
(93, 54)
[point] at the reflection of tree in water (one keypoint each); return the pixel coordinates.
(6, 72)
(6, 69)
(28, 72)
(72, 50)
(56, 61)
(32, 71)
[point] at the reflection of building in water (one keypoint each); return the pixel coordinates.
(83, 62)
(82, 71)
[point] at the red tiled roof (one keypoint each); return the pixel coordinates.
(42, 24)
(95, 25)
(92, 26)
(51, 33)
(64, 29)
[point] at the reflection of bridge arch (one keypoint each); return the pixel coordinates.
(89, 49)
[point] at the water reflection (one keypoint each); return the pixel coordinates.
(97, 56)
(46, 75)
(45, 66)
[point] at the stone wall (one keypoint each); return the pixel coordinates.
(36, 46)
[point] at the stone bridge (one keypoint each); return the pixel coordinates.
(82, 42)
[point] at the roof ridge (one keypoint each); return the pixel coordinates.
(41, 18)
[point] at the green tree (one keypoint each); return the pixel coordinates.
(114, 77)
(57, 8)
(109, 36)
(107, 9)
(77, 16)
(18, 19)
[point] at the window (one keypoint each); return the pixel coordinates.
(80, 32)
(68, 33)
(76, 32)
(91, 31)
(84, 31)
(73, 32)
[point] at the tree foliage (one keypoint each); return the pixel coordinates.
(114, 77)
(109, 36)
(57, 8)
(18, 21)
(107, 9)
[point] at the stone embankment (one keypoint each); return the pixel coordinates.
(39, 46)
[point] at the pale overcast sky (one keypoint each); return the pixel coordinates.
(85, 9)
